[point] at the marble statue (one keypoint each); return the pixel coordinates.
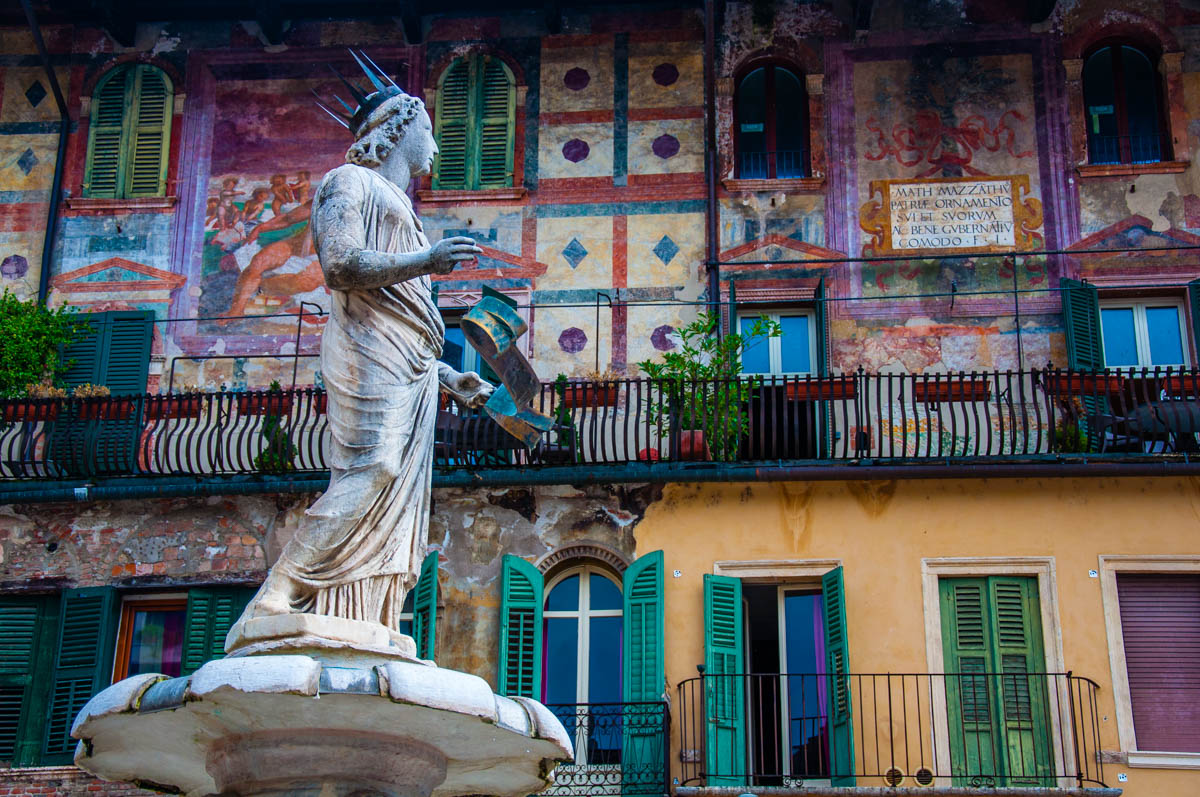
(359, 548)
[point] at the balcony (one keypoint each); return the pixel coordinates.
(620, 749)
(925, 730)
(851, 426)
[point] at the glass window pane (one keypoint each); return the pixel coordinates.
(794, 345)
(405, 627)
(804, 647)
(756, 358)
(565, 596)
(1100, 113)
(604, 660)
(604, 594)
(561, 662)
(1120, 345)
(751, 124)
(1141, 106)
(452, 348)
(1166, 347)
(791, 125)
(156, 642)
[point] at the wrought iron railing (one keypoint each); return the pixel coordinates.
(620, 749)
(1125, 149)
(980, 730)
(963, 417)
(773, 164)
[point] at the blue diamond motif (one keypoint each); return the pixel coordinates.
(666, 250)
(35, 93)
(574, 252)
(27, 161)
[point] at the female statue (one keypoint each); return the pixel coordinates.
(359, 547)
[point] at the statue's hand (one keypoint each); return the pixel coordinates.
(469, 389)
(449, 252)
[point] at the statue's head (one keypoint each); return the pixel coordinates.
(387, 123)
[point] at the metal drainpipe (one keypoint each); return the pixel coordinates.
(710, 157)
(64, 128)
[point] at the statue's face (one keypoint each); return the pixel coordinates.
(417, 148)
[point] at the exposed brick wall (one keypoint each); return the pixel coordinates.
(59, 781)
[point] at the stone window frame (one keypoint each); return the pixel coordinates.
(1153, 39)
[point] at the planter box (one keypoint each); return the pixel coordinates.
(31, 413)
(590, 395)
(827, 389)
(158, 408)
(955, 390)
(320, 403)
(692, 445)
(106, 409)
(1085, 384)
(1182, 385)
(264, 403)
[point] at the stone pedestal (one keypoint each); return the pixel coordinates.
(318, 717)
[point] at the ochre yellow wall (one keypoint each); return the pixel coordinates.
(882, 530)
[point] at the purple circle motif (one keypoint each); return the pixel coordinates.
(572, 340)
(14, 267)
(665, 146)
(660, 338)
(577, 78)
(576, 150)
(665, 74)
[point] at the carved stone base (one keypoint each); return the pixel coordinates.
(312, 633)
(253, 725)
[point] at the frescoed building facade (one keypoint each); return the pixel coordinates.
(946, 535)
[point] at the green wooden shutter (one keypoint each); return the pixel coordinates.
(837, 668)
(725, 703)
(211, 612)
(966, 640)
(1023, 700)
(1081, 318)
(104, 174)
(26, 625)
(497, 105)
(425, 598)
(149, 133)
(520, 629)
(83, 664)
(1193, 289)
(126, 354)
(82, 357)
(643, 735)
(453, 119)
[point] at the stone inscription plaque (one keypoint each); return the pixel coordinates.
(966, 214)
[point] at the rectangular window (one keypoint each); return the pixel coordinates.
(1160, 629)
(1143, 334)
(456, 352)
(794, 352)
(151, 635)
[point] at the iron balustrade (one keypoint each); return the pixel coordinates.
(779, 164)
(620, 749)
(975, 730)
(1040, 415)
(1125, 149)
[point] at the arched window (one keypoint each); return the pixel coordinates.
(1121, 106)
(130, 133)
(771, 124)
(474, 124)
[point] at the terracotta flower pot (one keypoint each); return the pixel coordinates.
(158, 408)
(31, 413)
(590, 395)
(824, 389)
(106, 409)
(692, 445)
(955, 390)
(264, 403)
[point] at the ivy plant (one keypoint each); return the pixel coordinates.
(31, 336)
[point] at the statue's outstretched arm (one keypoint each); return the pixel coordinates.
(341, 240)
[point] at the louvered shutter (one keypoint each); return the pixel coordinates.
(425, 598)
(105, 161)
(643, 736)
(497, 105)
(27, 651)
(724, 665)
(967, 643)
(126, 353)
(520, 629)
(837, 669)
(83, 664)
(82, 357)
(211, 612)
(1160, 624)
(1081, 319)
(149, 134)
(1023, 701)
(453, 118)
(1193, 290)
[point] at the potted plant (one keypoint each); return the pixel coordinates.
(41, 403)
(826, 388)
(185, 404)
(279, 452)
(597, 389)
(31, 337)
(937, 388)
(97, 403)
(700, 388)
(566, 445)
(272, 401)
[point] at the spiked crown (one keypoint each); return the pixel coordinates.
(382, 89)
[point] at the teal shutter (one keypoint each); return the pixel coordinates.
(1193, 290)
(1081, 319)
(837, 669)
(149, 133)
(26, 625)
(211, 612)
(81, 358)
(425, 598)
(453, 114)
(105, 157)
(520, 629)
(83, 664)
(126, 354)
(725, 703)
(644, 736)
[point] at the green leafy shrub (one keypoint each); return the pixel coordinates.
(279, 452)
(30, 338)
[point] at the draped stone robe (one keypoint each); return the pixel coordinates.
(359, 547)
